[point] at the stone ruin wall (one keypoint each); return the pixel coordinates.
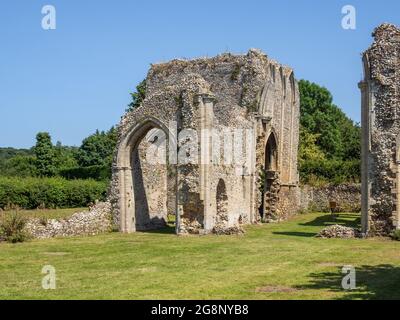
(316, 199)
(381, 132)
(280, 101)
(223, 77)
(245, 92)
(86, 223)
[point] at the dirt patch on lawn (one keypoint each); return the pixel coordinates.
(55, 253)
(276, 289)
(331, 264)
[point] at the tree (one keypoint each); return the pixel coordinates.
(65, 156)
(308, 149)
(97, 149)
(45, 157)
(351, 134)
(8, 153)
(17, 162)
(337, 135)
(330, 142)
(137, 96)
(19, 166)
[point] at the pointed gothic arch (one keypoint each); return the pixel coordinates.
(271, 153)
(130, 176)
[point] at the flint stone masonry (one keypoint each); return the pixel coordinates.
(96, 220)
(380, 91)
(346, 196)
(250, 93)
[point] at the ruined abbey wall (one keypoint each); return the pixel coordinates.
(381, 133)
(230, 127)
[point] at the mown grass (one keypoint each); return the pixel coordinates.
(46, 213)
(276, 261)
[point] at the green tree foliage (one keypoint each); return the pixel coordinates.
(19, 165)
(65, 156)
(17, 162)
(8, 153)
(137, 96)
(337, 135)
(90, 161)
(97, 149)
(100, 173)
(45, 155)
(308, 148)
(351, 135)
(330, 142)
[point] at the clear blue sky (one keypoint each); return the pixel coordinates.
(77, 78)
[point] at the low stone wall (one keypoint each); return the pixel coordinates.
(96, 220)
(346, 196)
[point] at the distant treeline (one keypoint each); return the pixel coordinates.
(56, 176)
(92, 160)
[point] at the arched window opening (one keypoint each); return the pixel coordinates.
(271, 154)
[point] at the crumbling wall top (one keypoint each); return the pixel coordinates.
(236, 80)
(386, 32)
(382, 58)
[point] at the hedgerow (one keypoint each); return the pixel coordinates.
(32, 193)
(99, 172)
(332, 171)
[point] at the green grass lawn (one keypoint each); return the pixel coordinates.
(48, 213)
(275, 261)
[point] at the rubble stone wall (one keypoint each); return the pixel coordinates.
(97, 220)
(316, 199)
(381, 132)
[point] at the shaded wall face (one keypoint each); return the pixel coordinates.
(280, 104)
(222, 202)
(150, 181)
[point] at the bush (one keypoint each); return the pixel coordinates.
(32, 193)
(92, 172)
(396, 235)
(12, 228)
(18, 166)
(328, 170)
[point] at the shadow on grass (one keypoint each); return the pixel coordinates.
(296, 234)
(344, 219)
(165, 230)
(379, 282)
